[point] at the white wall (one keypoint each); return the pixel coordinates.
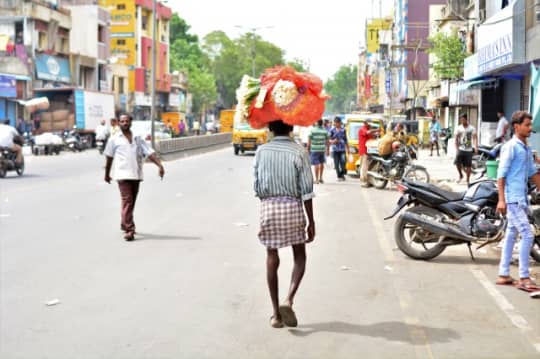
(84, 34)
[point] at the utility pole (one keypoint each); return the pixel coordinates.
(153, 76)
(253, 31)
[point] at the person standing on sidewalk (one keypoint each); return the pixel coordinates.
(503, 128)
(283, 182)
(340, 148)
(434, 131)
(465, 138)
(128, 153)
(318, 147)
(515, 169)
(365, 133)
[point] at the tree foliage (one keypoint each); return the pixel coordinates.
(450, 54)
(342, 89)
(186, 55)
(216, 64)
(230, 59)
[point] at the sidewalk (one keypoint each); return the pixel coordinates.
(442, 170)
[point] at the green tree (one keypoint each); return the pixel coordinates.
(299, 65)
(450, 54)
(233, 58)
(186, 55)
(342, 89)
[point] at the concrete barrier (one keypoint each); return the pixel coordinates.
(175, 145)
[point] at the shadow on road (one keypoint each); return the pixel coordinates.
(392, 331)
(466, 260)
(150, 236)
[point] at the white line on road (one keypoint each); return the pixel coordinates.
(416, 333)
(506, 307)
(5, 215)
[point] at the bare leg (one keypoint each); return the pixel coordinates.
(468, 172)
(321, 169)
(299, 252)
(437, 144)
(272, 265)
(459, 171)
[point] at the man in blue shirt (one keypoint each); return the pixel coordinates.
(515, 169)
(340, 148)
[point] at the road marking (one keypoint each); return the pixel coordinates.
(506, 307)
(501, 301)
(5, 215)
(416, 333)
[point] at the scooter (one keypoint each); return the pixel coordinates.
(100, 144)
(7, 161)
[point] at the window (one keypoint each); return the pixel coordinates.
(538, 11)
(144, 22)
(101, 33)
(121, 7)
(120, 42)
(120, 85)
(42, 40)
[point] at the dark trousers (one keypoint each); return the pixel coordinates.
(128, 193)
(339, 163)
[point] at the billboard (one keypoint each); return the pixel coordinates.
(8, 86)
(123, 24)
(372, 33)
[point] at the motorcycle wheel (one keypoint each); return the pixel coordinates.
(377, 183)
(416, 242)
(535, 249)
(417, 175)
(20, 169)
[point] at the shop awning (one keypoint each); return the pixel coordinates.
(476, 84)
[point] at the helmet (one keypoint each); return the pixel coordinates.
(395, 146)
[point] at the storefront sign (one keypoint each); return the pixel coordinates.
(496, 54)
(8, 86)
(501, 42)
(372, 33)
(123, 27)
(52, 68)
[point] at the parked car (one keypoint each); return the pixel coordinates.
(144, 130)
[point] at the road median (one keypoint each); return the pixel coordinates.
(187, 146)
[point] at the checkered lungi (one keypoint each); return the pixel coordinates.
(283, 222)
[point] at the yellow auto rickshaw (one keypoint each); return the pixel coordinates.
(353, 125)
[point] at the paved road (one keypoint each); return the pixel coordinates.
(193, 284)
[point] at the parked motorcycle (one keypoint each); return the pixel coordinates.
(485, 153)
(397, 166)
(7, 160)
(72, 140)
(439, 218)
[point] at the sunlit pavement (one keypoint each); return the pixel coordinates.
(193, 283)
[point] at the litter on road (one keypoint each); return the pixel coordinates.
(240, 224)
(52, 302)
(344, 268)
(388, 269)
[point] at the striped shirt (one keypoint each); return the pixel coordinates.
(319, 138)
(283, 169)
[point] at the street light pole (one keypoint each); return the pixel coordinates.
(253, 31)
(153, 75)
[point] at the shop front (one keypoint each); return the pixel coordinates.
(499, 67)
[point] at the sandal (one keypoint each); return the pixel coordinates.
(288, 315)
(506, 281)
(275, 323)
(528, 286)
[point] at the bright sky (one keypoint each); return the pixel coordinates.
(325, 34)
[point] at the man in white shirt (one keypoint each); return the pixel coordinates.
(128, 153)
(466, 144)
(102, 131)
(502, 133)
(7, 135)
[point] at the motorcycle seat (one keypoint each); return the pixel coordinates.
(384, 159)
(449, 195)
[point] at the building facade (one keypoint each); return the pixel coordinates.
(132, 44)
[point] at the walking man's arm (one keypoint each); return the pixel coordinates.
(158, 163)
(108, 165)
(308, 205)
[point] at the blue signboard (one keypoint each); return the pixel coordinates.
(52, 68)
(8, 86)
